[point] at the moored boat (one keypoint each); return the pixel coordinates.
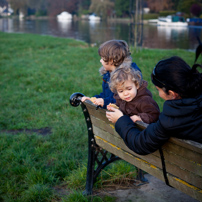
(172, 21)
(64, 16)
(195, 21)
(94, 17)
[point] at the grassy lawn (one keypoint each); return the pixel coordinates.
(43, 140)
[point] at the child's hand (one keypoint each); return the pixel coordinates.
(84, 98)
(111, 106)
(114, 114)
(135, 118)
(99, 101)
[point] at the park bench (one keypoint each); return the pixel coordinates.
(178, 163)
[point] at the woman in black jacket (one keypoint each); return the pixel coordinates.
(181, 87)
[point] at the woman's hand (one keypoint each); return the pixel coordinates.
(114, 114)
(135, 118)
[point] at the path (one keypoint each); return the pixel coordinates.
(154, 191)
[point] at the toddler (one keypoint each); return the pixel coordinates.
(113, 53)
(132, 96)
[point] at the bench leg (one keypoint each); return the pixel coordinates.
(91, 153)
(140, 179)
(97, 157)
(90, 171)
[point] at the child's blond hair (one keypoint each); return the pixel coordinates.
(123, 73)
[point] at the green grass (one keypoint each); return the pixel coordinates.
(37, 76)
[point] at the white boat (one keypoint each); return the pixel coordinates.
(94, 17)
(153, 20)
(64, 16)
(172, 21)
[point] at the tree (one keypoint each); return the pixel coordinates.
(19, 6)
(159, 5)
(3, 3)
(185, 5)
(40, 6)
(122, 8)
(72, 6)
(56, 7)
(196, 10)
(102, 8)
(175, 4)
(83, 6)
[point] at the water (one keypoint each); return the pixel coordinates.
(96, 33)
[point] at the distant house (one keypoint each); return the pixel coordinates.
(6, 11)
(146, 9)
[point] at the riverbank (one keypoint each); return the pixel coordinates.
(75, 18)
(43, 139)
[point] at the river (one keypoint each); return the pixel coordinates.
(152, 36)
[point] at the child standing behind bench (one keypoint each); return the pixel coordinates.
(132, 96)
(113, 53)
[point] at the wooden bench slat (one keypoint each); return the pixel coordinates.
(185, 187)
(184, 152)
(107, 127)
(179, 161)
(195, 146)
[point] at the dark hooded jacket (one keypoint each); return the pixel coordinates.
(106, 93)
(180, 118)
(142, 105)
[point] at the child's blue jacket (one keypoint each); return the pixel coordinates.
(106, 93)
